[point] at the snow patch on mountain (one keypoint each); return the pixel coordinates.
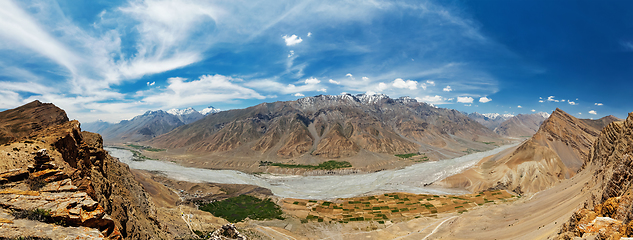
(210, 110)
(181, 112)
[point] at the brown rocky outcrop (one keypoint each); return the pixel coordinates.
(75, 178)
(20, 122)
(609, 211)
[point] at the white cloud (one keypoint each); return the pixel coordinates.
(268, 85)
(519, 106)
(151, 84)
(431, 99)
(365, 78)
(484, 99)
(593, 112)
(598, 104)
(541, 101)
(429, 82)
(309, 34)
(399, 83)
(579, 113)
(551, 99)
(334, 82)
(299, 95)
(207, 89)
(292, 53)
(381, 87)
(533, 110)
(349, 75)
(572, 103)
(312, 80)
(292, 40)
(450, 99)
(322, 90)
(447, 89)
(465, 99)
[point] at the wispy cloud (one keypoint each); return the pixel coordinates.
(593, 112)
(207, 89)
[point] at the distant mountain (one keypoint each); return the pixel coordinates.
(209, 110)
(602, 122)
(312, 129)
(142, 127)
(19, 122)
(522, 125)
(490, 120)
(95, 127)
(148, 125)
(557, 151)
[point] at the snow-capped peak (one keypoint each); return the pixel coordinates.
(181, 112)
(209, 110)
(543, 114)
(497, 115)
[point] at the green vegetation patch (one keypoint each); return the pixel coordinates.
(329, 165)
(138, 156)
(408, 155)
(238, 208)
(146, 148)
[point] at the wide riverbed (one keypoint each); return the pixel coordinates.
(410, 179)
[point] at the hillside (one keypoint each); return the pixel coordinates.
(607, 213)
(490, 120)
(521, 125)
(557, 151)
(364, 129)
(602, 122)
(20, 122)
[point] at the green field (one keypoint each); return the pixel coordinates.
(238, 208)
(329, 165)
(146, 148)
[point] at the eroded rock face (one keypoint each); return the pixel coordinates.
(51, 192)
(610, 210)
(78, 181)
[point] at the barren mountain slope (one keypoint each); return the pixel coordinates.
(312, 129)
(521, 125)
(557, 151)
(140, 128)
(19, 122)
(602, 122)
(608, 213)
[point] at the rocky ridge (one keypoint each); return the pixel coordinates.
(608, 213)
(75, 180)
(557, 151)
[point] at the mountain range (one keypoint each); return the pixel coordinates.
(148, 125)
(522, 125)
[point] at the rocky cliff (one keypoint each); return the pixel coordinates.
(74, 180)
(608, 214)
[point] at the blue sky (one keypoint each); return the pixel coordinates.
(113, 60)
